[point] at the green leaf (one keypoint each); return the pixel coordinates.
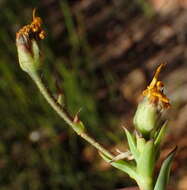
(132, 144)
(146, 162)
(163, 177)
(160, 135)
(122, 165)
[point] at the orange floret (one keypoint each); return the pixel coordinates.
(33, 30)
(154, 91)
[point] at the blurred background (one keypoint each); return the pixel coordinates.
(101, 54)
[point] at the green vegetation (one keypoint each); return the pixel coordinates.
(37, 151)
(144, 146)
(55, 160)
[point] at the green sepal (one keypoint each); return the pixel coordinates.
(132, 144)
(122, 165)
(146, 161)
(163, 177)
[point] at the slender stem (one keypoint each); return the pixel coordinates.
(64, 115)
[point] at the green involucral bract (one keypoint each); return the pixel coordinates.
(146, 117)
(28, 54)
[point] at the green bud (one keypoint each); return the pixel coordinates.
(147, 117)
(28, 53)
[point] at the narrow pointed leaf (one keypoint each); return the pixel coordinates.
(163, 177)
(132, 144)
(160, 135)
(122, 165)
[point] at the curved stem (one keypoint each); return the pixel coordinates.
(64, 115)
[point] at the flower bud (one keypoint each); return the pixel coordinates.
(27, 47)
(28, 53)
(147, 116)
